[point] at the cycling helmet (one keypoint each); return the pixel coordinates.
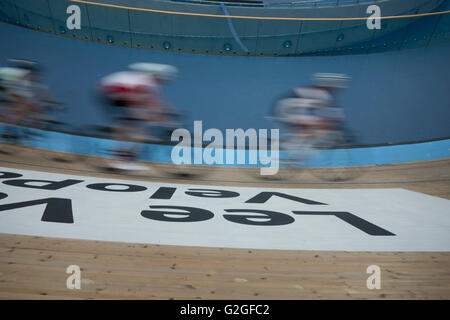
(163, 72)
(28, 65)
(9, 74)
(331, 80)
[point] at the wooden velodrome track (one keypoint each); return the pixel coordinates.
(35, 267)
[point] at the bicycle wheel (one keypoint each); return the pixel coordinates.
(286, 172)
(160, 158)
(105, 155)
(60, 147)
(183, 170)
(10, 140)
(291, 162)
(337, 161)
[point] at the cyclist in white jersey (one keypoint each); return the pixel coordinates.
(23, 93)
(310, 112)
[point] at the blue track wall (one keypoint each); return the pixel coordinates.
(395, 97)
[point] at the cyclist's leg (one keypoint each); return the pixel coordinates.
(130, 131)
(24, 109)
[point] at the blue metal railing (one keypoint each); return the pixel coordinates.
(315, 3)
(283, 3)
(198, 35)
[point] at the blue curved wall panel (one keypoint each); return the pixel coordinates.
(395, 96)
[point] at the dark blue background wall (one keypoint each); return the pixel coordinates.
(395, 97)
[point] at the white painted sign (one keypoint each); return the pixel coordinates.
(67, 206)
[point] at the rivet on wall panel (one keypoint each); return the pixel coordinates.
(287, 44)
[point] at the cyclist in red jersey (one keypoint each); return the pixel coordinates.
(137, 100)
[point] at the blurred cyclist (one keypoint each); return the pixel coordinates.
(310, 112)
(137, 101)
(24, 96)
